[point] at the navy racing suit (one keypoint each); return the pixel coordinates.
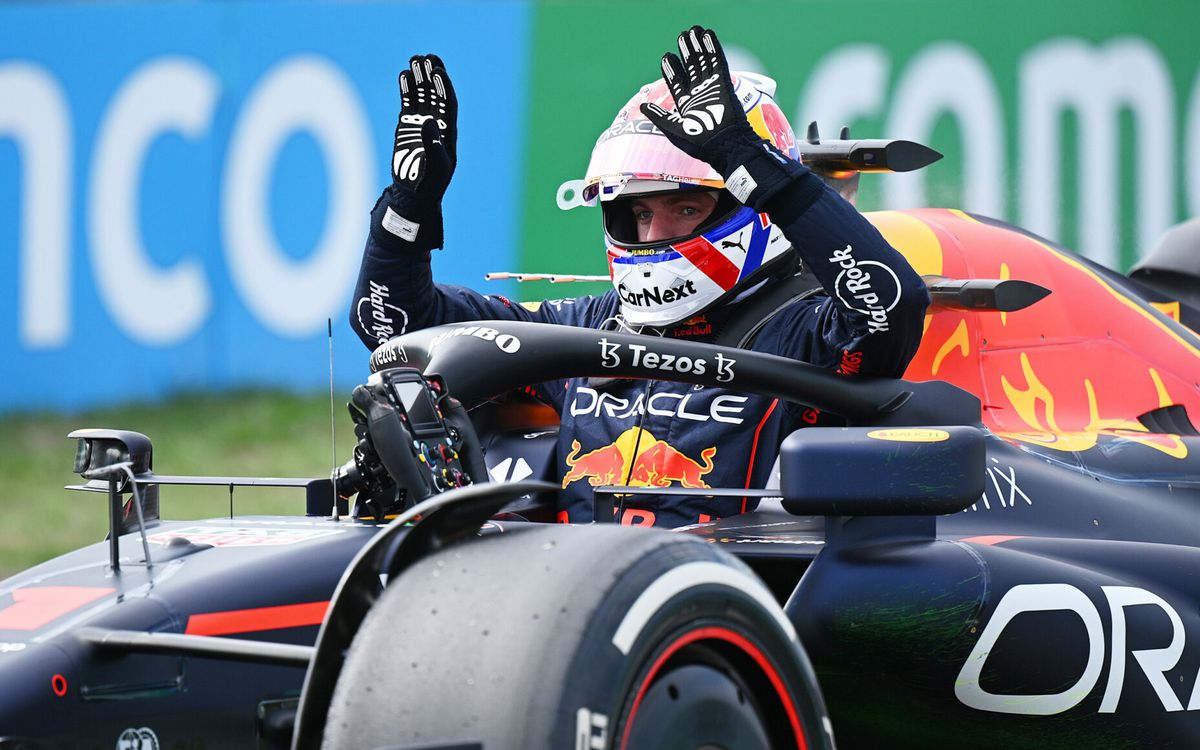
(660, 433)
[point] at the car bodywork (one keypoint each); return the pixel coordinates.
(1057, 607)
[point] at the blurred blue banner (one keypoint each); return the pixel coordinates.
(185, 188)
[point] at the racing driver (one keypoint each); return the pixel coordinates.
(706, 208)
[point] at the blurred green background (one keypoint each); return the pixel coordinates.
(1077, 119)
(240, 434)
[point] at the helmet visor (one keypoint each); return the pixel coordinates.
(633, 150)
(620, 216)
(640, 143)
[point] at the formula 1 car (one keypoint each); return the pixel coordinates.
(1003, 547)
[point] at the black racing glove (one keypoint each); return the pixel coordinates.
(709, 123)
(408, 216)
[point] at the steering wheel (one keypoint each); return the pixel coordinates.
(422, 437)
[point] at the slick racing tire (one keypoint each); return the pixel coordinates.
(550, 637)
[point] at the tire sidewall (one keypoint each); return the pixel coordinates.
(603, 681)
(513, 640)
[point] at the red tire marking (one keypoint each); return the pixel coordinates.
(727, 635)
(58, 684)
(254, 620)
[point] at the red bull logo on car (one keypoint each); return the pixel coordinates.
(1055, 375)
(638, 459)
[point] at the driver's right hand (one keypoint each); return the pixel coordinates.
(424, 154)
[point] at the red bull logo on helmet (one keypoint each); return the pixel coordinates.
(638, 459)
(768, 121)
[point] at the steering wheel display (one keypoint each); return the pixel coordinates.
(411, 432)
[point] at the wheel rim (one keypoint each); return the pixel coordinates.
(697, 707)
(714, 688)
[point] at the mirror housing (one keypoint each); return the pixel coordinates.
(101, 448)
(869, 471)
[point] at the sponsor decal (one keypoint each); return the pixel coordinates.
(777, 124)
(910, 435)
(851, 363)
(740, 184)
(998, 477)
(1154, 663)
(810, 415)
(11, 648)
(628, 127)
(728, 244)
(591, 730)
(631, 517)
(505, 342)
(636, 517)
(531, 306)
(642, 459)
(641, 356)
(379, 317)
(725, 368)
(726, 408)
(511, 471)
(222, 536)
(640, 252)
(692, 327)
(609, 354)
(655, 295)
(394, 223)
(391, 355)
(867, 286)
(142, 738)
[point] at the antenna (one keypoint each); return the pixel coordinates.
(332, 426)
(553, 278)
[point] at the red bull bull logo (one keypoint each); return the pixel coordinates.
(1054, 375)
(638, 459)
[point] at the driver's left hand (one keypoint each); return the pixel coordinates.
(709, 123)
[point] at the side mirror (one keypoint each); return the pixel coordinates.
(100, 448)
(870, 471)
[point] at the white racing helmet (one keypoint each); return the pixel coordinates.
(667, 281)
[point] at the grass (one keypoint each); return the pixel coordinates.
(243, 434)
